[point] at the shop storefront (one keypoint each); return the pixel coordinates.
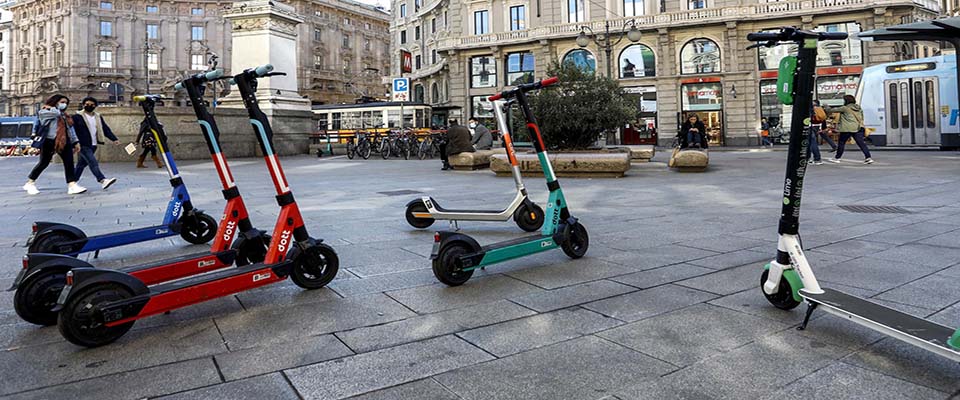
(704, 97)
(642, 128)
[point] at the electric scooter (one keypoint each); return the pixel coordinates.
(43, 276)
(789, 280)
(421, 213)
(180, 219)
(97, 307)
(455, 256)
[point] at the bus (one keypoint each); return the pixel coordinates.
(911, 103)
(340, 121)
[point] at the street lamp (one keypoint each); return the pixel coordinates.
(605, 43)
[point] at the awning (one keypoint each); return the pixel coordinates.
(947, 29)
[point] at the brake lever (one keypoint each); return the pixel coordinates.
(275, 74)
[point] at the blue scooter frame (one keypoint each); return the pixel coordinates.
(180, 217)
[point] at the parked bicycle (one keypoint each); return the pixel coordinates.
(430, 146)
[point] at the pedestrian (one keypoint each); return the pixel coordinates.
(148, 143)
(850, 125)
(482, 138)
(765, 132)
(457, 141)
(55, 135)
(89, 124)
(819, 119)
(693, 131)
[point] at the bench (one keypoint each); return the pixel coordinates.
(689, 160)
(475, 160)
(577, 165)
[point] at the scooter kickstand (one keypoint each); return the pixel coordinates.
(454, 226)
(806, 318)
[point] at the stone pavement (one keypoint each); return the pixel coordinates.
(666, 304)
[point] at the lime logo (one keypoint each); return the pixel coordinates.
(786, 201)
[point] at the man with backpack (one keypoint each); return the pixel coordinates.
(818, 120)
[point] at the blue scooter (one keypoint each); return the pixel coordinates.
(180, 219)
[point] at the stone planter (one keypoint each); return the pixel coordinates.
(640, 153)
(693, 160)
(475, 160)
(587, 164)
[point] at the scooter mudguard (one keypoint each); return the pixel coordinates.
(793, 279)
(955, 340)
(42, 262)
(447, 237)
(85, 277)
(47, 228)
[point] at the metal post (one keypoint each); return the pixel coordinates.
(146, 62)
(608, 47)
(213, 66)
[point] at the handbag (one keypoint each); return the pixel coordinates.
(40, 135)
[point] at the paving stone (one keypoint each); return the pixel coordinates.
(392, 267)
(910, 233)
(571, 272)
(727, 281)
(648, 303)
(564, 297)
(907, 362)
(283, 294)
(694, 333)
(586, 367)
(655, 257)
(427, 389)
(751, 301)
(922, 254)
(272, 386)
(383, 283)
(854, 248)
(727, 243)
(277, 356)
(422, 327)
(523, 334)
(872, 273)
(733, 259)
(844, 381)
(949, 239)
(259, 327)
(138, 384)
(439, 297)
(358, 255)
(384, 368)
(660, 276)
(935, 292)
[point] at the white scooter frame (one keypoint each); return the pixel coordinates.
(528, 215)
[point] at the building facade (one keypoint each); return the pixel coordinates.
(115, 49)
(691, 57)
(6, 23)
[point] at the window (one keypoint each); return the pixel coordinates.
(433, 56)
(697, 4)
(575, 11)
(57, 58)
(366, 44)
(403, 10)
(153, 31)
(482, 107)
(196, 33)
(632, 8)
(153, 61)
(637, 61)
(59, 28)
(481, 22)
(41, 32)
(346, 41)
(700, 56)
(196, 11)
(317, 61)
(582, 59)
(317, 34)
(519, 68)
(417, 61)
(153, 9)
(346, 21)
(1, 56)
(416, 33)
(366, 26)
(106, 5)
(197, 63)
(483, 72)
(435, 93)
(24, 65)
(403, 37)
(106, 59)
(518, 18)
(433, 25)
(839, 52)
(106, 28)
(416, 5)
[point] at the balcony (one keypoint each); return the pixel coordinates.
(425, 72)
(780, 9)
(104, 72)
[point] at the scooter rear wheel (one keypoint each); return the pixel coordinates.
(200, 230)
(575, 240)
(417, 206)
(783, 298)
(36, 297)
(82, 325)
(251, 251)
(48, 243)
(315, 267)
(528, 218)
(447, 266)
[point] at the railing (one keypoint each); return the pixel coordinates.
(420, 73)
(777, 9)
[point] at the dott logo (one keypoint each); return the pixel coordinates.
(260, 277)
(284, 241)
(228, 233)
(176, 209)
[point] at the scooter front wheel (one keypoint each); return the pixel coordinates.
(251, 251)
(448, 268)
(36, 297)
(783, 298)
(417, 206)
(575, 240)
(48, 243)
(529, 218)
(199, 230)
(315, 267)
(80, 321)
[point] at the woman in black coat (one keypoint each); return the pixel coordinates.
(693, 132)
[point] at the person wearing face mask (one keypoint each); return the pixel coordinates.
(89, 124)
(482, 138)
(55, 130)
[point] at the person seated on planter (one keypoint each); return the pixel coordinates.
(693, 133)
(482, 138)
(458, 141)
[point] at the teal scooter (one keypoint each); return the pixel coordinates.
(455, 255)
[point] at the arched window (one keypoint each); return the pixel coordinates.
(700, 56)
(435, 93)
(581, 59)
(637, 61)
(418, 94)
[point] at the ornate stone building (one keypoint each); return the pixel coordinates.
(690, 58)
(6, 22)
(115, 49)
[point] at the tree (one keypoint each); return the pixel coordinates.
(573, 113)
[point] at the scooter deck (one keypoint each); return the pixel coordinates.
(916, 331)
(180, 267)
(445, 210)
(215, 276)
(512, 242)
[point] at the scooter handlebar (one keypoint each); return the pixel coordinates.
(263, 70)
(792, 34)
(833, 35)
(204, 77)
(525, 88)
(764, 36)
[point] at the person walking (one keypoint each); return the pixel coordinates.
(850, 125)
(55, 134)
(482, 138)
(819, 119)
(89, 124)
(765, 132)
(149, 145)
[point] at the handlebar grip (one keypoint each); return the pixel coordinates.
(549, 81)
(139, 99)
(213, 75)
(178, 86)
(231, 82)
(495, 97)
(764, 36)
(263, 70)
(833, 35)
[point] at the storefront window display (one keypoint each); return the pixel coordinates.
(831, 89)
(642, 129)
(582, 59)
(777, 115)
(700, 56)
(482, 108)
(637, 61)
(706, 100)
